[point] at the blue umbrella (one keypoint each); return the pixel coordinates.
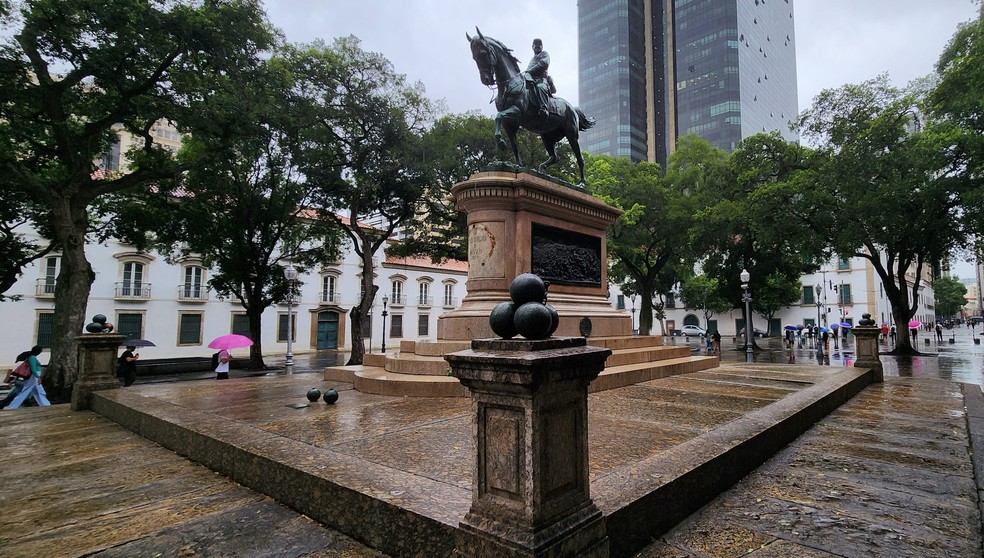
(789, 327)
(824, 330)
(846, 325)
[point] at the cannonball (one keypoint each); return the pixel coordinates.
(94, 327)
(527, 287)
(554, 319)
(501, 320)
(331, 396)
(99, 319)
(313, 394)
(108, 327)
(533, 320)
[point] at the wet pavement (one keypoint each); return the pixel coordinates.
(887, 474)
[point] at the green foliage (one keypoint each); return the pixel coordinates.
(71, 74)
(702, 292)
(362, 154)
(891, 186)
(648, 244)
(949, 294)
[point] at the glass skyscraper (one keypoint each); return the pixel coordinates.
(654, 70)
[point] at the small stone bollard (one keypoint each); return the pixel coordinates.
(866, 346)
(530, 489)
(97, 366)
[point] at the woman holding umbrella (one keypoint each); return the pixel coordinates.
(224, 343)
(126, 365)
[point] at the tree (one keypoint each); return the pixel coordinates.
(949, 294)
(362, 153)
(648, 243)
(241, 205)
(891, 186)
(71, 73)
(453, 149)
(702, 292)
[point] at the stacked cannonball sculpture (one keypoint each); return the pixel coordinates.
(528, 314)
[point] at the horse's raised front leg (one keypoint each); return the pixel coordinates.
(509, 119)
(550, 144)
(498, 131)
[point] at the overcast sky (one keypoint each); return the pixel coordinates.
(837, 41)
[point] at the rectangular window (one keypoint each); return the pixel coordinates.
(282, 328)
(130, 325)
(51, 266)
(132, 278)
(328, 289)
(620, 302)
(808, 295)
(397, 294)
(396, 326)
(423, 294)
(367, 326)
(423, 324)
(670, 303)
(190, 329)
(449, 294)
(193, 282)
(240, 324)
(843, 263)
(46, 323)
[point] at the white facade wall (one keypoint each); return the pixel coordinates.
(163, 297)
(855, 276)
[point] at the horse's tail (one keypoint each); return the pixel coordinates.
(583, 121)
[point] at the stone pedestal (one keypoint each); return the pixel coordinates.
(522, 223)
(866, 348)
(97, 367)
(530, 488)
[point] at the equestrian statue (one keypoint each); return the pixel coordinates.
(526, 99)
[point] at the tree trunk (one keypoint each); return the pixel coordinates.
(71, 298)
(255, 333)
(361, 312)
(646, 311)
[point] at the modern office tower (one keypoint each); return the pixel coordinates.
(654, 70)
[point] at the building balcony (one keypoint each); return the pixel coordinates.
(331, 297)
(450, 302)
(45, 288)
(398, 300)
(425, 301)
(132, 291)
(192, 293)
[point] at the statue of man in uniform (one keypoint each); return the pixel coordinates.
(542, 85)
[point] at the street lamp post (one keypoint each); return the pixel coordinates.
(291, 274)
(385, 313)
(819, 289)
(747, 298)
(633, 299)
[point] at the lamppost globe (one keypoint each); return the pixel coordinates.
(290, 273)
(745, 276)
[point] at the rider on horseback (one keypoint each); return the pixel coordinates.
(537, 79)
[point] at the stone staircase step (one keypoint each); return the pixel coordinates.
(637, 355)
(620, 376)
(380, 381)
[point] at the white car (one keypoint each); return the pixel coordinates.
(692, 330)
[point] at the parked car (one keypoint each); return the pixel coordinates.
(692, 330)
(756, 332)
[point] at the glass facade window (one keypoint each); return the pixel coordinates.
(190, 329)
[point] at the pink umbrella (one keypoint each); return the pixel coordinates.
(230, 341)
(914, 324)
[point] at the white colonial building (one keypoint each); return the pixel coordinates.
(841, 292)
(146, 297)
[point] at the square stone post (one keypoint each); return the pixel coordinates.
(530, 490)
(866, 345)
(97, 367)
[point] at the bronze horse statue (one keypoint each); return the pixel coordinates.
(498, 66)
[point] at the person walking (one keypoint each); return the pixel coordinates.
(716, 336)
(127, 366)
(32, 385)
(939, 333)
(222, 370)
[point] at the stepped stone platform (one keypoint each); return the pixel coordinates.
(395, 473)
(418, 369)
